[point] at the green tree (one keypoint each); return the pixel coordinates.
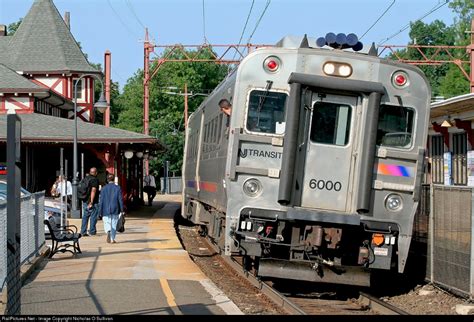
(167, 111)
(11, 28)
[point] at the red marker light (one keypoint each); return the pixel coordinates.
(272, 65)
(400, 79)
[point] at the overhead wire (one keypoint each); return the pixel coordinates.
(243, 31)
(383, 14)
(259, 20)
(121, 20)
(130, 6)
(435, 8)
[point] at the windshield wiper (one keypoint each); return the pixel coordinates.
(262, 100)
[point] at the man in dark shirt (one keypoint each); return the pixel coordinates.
(90, 207)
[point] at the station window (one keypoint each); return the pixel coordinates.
(459, 159)
(437, 159)
(80, 88)
(331, 123)
(395, 126)
(266, 112)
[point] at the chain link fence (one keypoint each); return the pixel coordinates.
(449, 242)
(32, 232)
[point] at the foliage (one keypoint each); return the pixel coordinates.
(114, 94)
(167, 111)
(13, 27)
(446, 80)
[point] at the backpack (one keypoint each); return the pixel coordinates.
(83, 189)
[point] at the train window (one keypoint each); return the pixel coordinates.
(219, 133)
(266, 112)
(214, 130)
(331, 123)
(395, 126)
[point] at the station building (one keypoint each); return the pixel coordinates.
(39, 65)
(451, 141)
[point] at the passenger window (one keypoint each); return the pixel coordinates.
(266, 112)
(220, 129)
(395, 126)
(331, 123)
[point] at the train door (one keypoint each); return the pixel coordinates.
(328, 161)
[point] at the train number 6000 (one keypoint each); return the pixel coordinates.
(325, 185)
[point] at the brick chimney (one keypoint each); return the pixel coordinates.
(3, 30)
(67, 19)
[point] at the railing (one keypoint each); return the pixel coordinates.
(32, 231)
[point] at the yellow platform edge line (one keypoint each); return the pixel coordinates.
(169, 296)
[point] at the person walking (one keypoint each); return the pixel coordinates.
(90, 204)
(149, 187)
(110, 207)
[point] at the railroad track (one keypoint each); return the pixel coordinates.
(325, 302)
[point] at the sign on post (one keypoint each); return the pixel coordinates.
(447, 169)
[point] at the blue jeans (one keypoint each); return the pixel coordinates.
(92, 214)
(110, 224)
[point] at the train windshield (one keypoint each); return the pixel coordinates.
(395, 126)
(266, 112)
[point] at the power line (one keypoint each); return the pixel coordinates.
(386, 10)
(259, 19)
(134, 13)
(245, 27)
(121, 21)
(246, 22)
(435, 8)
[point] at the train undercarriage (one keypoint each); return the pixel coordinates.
(323, 251)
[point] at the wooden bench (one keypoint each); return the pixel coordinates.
(61, 238)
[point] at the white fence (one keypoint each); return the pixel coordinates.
(32, 231)
(171, 185)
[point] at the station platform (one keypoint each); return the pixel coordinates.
(146, 272)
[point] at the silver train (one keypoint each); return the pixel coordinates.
(316, 175)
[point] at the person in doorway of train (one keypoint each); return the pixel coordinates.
(149, 187)
(110, 207)
(226, 108)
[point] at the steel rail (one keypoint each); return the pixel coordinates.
(275, 296)
(380, 306)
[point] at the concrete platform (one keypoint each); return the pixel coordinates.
(146, 272)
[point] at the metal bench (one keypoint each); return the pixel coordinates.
(61, 238)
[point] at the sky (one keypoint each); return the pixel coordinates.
(118, 25)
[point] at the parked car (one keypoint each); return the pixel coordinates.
(52, 207)
(3, 189)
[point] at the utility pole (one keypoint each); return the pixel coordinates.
(470, 50)
(107, 67)
(148, 48)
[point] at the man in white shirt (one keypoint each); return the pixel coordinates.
(149, 187)
(64, 188)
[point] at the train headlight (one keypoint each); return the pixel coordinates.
(394, 202)
(252, 187)
(337, 69)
